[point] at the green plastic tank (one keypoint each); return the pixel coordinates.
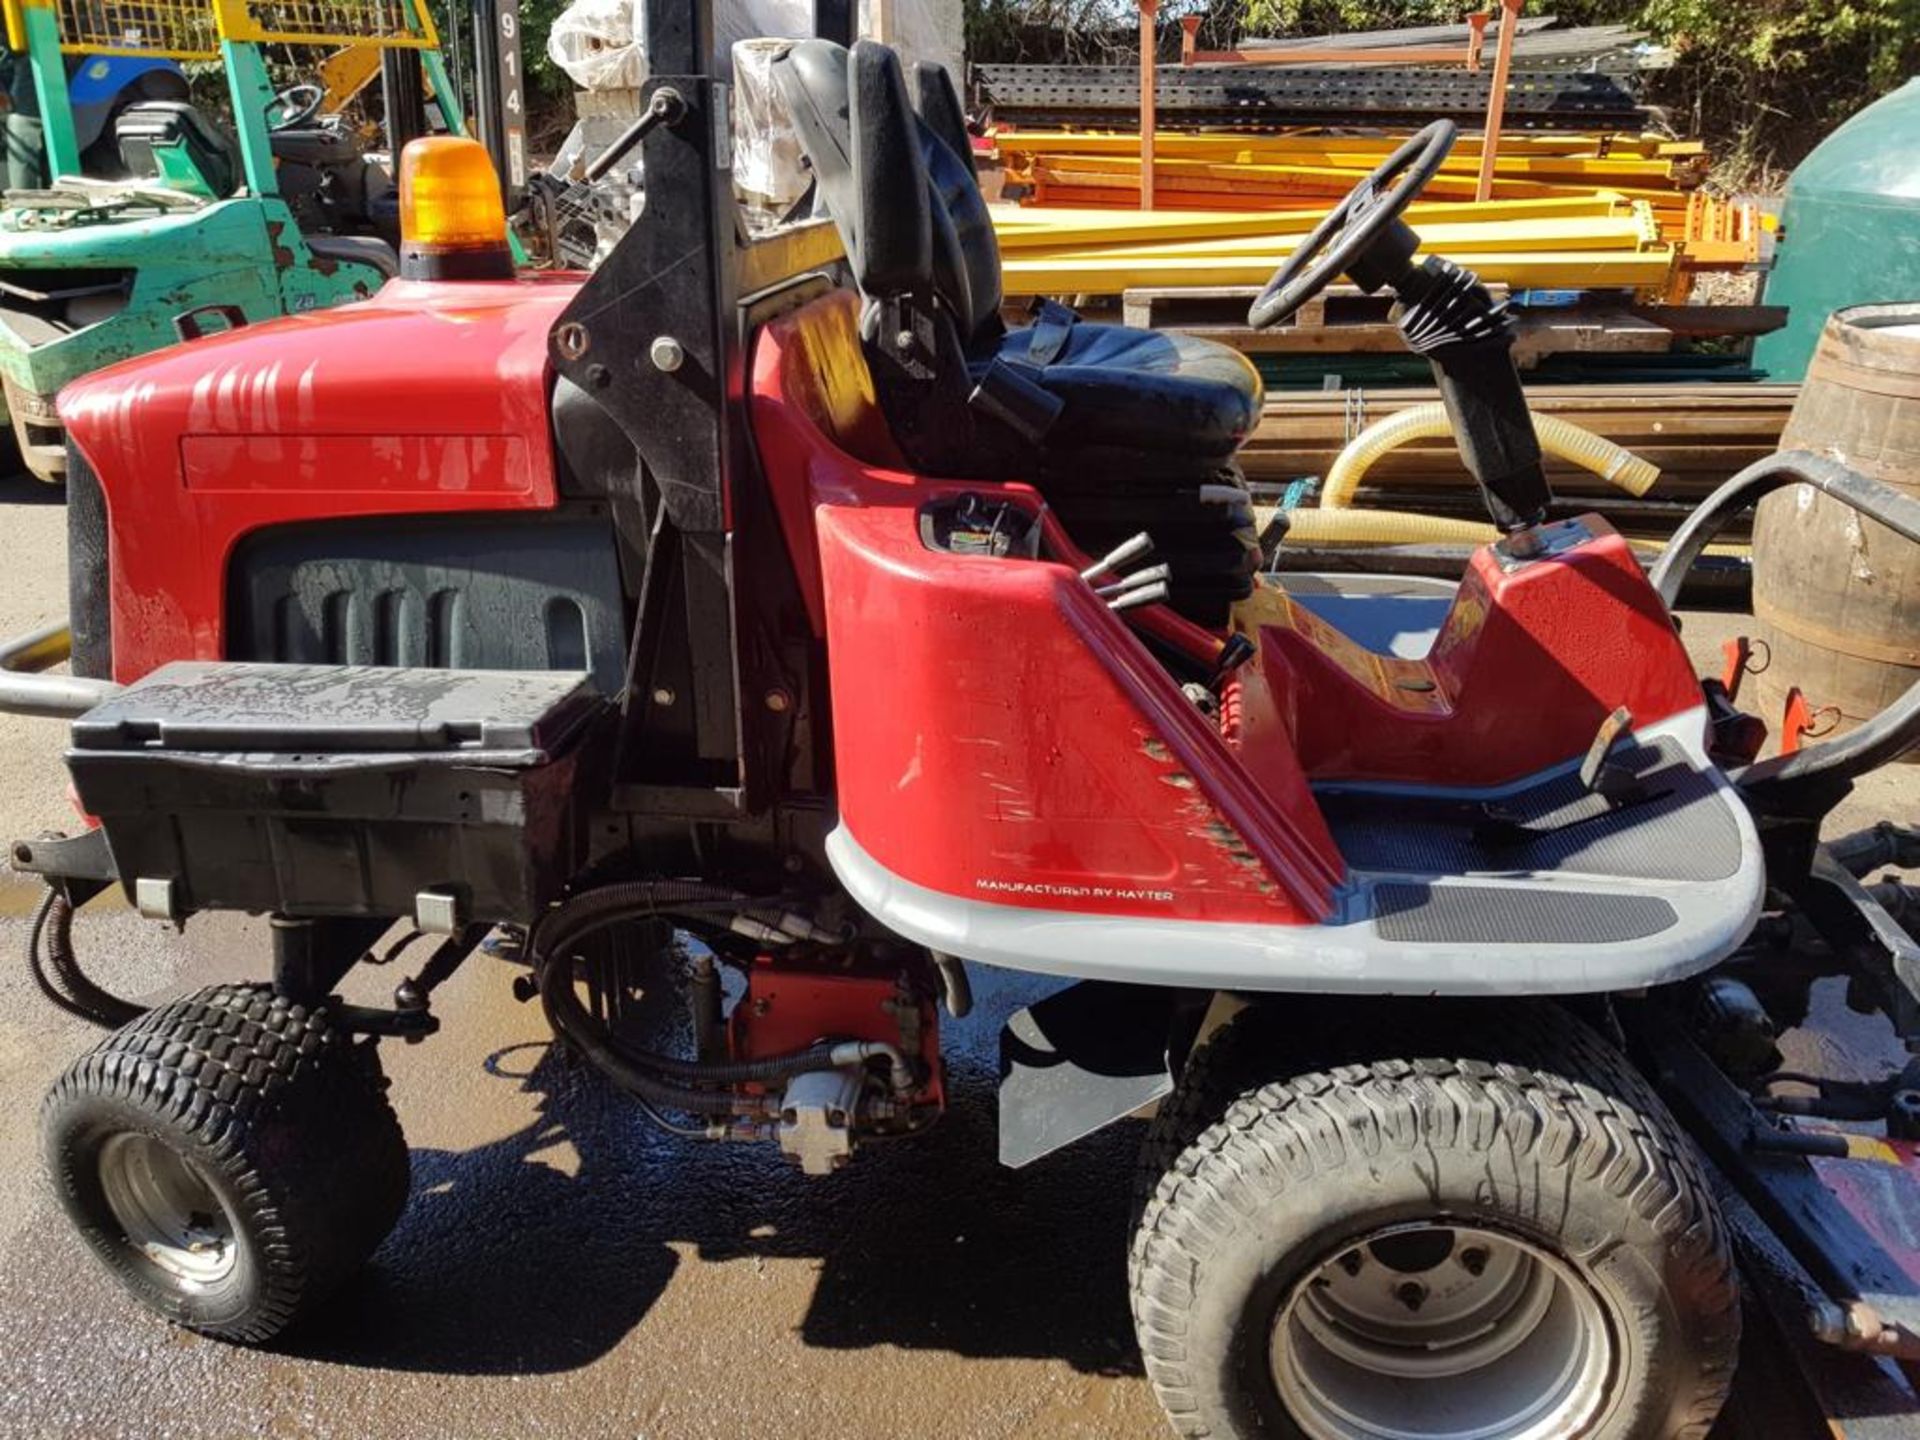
(1850, 230)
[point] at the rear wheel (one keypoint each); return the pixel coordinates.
(230, 1158)
(1440, 1247)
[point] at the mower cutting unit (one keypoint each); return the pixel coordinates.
(192, 229)
(768, 627)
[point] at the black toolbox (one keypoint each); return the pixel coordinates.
(447, 796)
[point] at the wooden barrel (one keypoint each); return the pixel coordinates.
(1837, 595)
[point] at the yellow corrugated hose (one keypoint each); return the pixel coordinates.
(1335, 522)
(1614, 464)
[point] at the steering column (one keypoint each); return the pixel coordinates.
(1446, 314)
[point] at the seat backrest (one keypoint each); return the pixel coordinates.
(964, 258)
(956, 189)
(869, 159)
(862, 163)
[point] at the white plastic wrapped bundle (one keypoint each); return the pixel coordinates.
(769, 173)
(593, 41)
(735, 21)
(917, 29)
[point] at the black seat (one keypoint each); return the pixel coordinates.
(1146, 391)
(1121, 429)
(153, 124)
(316, 145)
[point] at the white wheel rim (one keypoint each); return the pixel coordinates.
(1431, 1331)
(168, 1211)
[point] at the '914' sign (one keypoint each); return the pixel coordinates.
(513, 105)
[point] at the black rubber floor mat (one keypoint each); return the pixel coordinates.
(1509, 915)
(1684, 832)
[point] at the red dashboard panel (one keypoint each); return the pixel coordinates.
(1532, 658)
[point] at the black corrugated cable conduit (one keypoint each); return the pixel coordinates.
(68, 986)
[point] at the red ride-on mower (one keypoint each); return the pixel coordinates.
(775, 596)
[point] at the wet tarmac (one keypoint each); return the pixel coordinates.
(562, 1269)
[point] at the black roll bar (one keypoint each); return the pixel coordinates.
(1896, 729)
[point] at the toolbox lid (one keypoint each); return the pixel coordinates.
(247, 706)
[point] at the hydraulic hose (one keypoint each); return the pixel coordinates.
(73, 992)
(656, 897)
(1616, 465)
(571, 1021)
(664, 1079)
(826, 1055)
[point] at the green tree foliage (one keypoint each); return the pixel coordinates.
(1771, 77)
(547, 80)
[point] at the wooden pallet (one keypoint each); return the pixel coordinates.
(1697, 435)
(1345, 320)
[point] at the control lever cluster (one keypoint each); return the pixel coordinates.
(1141, 587)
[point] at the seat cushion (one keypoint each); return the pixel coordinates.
(1144, 441)
(1143, 390)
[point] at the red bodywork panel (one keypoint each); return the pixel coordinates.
(1004, 737)
(1528, 664)
(1000, 734)
(429, 397)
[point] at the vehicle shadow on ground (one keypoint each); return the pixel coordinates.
(20, 488)
(538, 1253)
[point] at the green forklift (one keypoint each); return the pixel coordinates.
(156, 223)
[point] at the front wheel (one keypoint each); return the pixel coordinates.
(1439, 1248)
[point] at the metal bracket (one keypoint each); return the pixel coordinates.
(157, 897)
(371, 1020)
(67, 857)
(1867, 931)
(1877, 1299)
(439, 911)
(1078, 1061)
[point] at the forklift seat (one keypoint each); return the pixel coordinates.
(1059, 399)
(151, 125)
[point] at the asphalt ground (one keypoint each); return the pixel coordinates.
(561, 1268)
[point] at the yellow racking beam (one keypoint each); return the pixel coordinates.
(1442, 186)
(1203, 144)
(1026, 228)
(1570, 269)
(1344, 168)
(1625, 232)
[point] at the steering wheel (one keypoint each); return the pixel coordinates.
(295, 105)
(1351, 227)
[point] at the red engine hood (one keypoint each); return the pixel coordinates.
(418, 358)
(429, 397)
